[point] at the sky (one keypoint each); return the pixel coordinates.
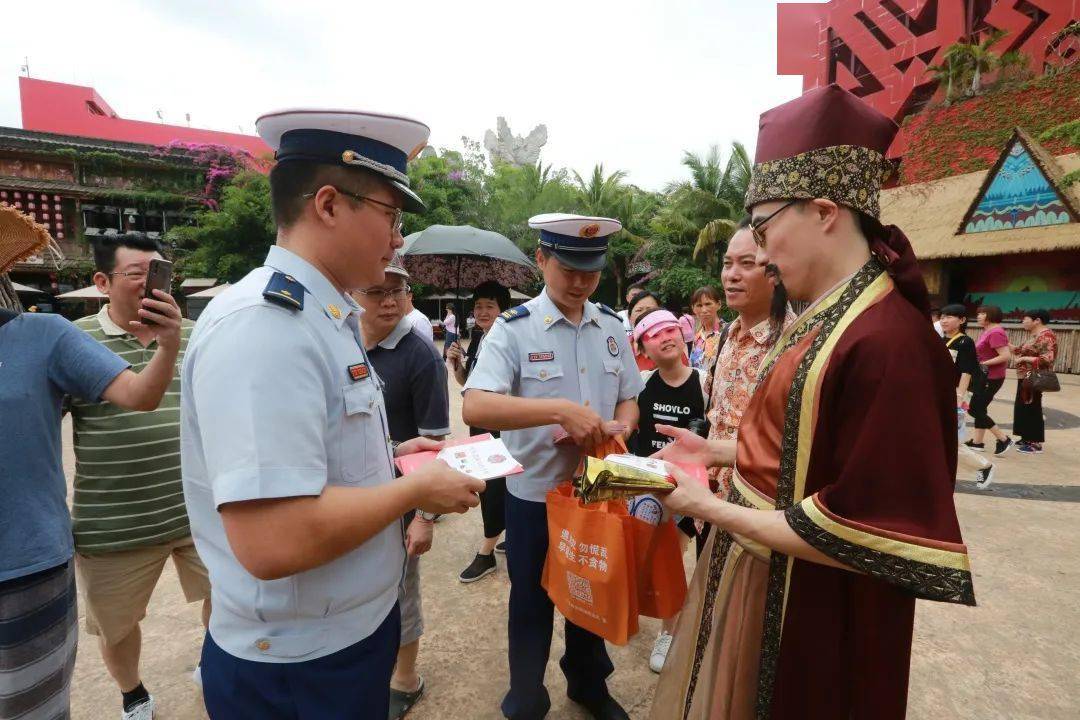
(630, 83)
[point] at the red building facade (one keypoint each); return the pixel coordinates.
(881, 49)
(63, 109)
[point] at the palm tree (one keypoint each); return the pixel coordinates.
(736, 175)
(712, 242)
(600, 193)
(706, 173)
(950, 71)
(966, 63)
(983, 59)
(704, 209)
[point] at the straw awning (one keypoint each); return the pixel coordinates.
(197, 283)
(86, 293)
(210, 292)
(446, 296)
(20, 288)
(931, 213)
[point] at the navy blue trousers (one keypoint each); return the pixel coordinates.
(586, 663)
(351, 684)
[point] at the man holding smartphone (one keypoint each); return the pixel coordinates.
(128, 515)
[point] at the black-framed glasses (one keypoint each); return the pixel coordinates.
(381, 294)
(395, 226)
(755, 228)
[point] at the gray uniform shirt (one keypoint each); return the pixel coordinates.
(279, 402)
(544, 355)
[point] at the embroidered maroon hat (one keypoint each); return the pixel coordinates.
(827, 143)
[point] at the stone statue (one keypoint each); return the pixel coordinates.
(505, 147)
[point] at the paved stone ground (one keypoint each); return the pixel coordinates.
(1014, 656)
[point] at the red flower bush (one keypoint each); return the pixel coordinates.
(970, 134)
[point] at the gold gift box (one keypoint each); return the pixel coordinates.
(610, 480)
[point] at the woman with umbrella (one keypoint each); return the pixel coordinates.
(489, 299)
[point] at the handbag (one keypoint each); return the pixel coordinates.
(1044, 381)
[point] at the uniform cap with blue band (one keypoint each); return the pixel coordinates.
(578, 241)
(382, 144)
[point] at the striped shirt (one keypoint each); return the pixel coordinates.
(128, 491)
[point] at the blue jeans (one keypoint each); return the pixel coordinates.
(448, 340)
(352, 684)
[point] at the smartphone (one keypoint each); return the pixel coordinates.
(158, 277)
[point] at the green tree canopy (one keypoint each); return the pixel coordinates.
(227, 243)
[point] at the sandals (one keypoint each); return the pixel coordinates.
(401, 702)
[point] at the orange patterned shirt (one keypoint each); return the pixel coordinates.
(734, 381)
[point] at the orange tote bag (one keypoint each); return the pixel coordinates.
(589, 572)
(661, 580)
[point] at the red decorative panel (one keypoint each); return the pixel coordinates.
(880, 49)
(45, 209)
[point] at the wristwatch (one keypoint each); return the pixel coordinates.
(426, 516)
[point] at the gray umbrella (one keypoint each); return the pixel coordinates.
(462, 257)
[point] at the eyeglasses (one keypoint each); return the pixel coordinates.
(136, 275)
(381, 294)
(755, 228)
(395, 225)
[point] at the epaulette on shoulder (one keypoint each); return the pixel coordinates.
(515, 313)
(608, 311)
(285, 290)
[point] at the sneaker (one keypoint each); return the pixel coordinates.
(1002, 446)
(1037, 447)
(196, 676)
(501, 548)
(984, 477)
(480, 566)
(977, 447)
(1026, 448)
(142, 711)
(659, 651)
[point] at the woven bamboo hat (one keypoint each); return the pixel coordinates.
(20, 237)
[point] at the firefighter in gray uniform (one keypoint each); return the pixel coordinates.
(557, 360)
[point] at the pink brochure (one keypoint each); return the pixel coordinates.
(481, 456)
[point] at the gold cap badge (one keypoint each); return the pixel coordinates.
(590, 230)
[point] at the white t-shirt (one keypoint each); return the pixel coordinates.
(450, 324)
(421, 324)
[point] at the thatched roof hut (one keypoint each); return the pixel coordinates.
(931, 214)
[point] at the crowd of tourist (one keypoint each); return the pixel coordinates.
(256, 448)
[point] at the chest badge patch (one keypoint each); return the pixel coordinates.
(612, 346)
(359, 371)
(547, 356)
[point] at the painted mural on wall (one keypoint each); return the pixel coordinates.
(1049, 281)
(1019, 196)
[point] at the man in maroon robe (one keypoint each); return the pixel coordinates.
(841, 512)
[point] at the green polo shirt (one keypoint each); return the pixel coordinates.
(128, 492)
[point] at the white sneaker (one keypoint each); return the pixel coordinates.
(659, 651)
(142, 711)
(984, 477)
(196, 676)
